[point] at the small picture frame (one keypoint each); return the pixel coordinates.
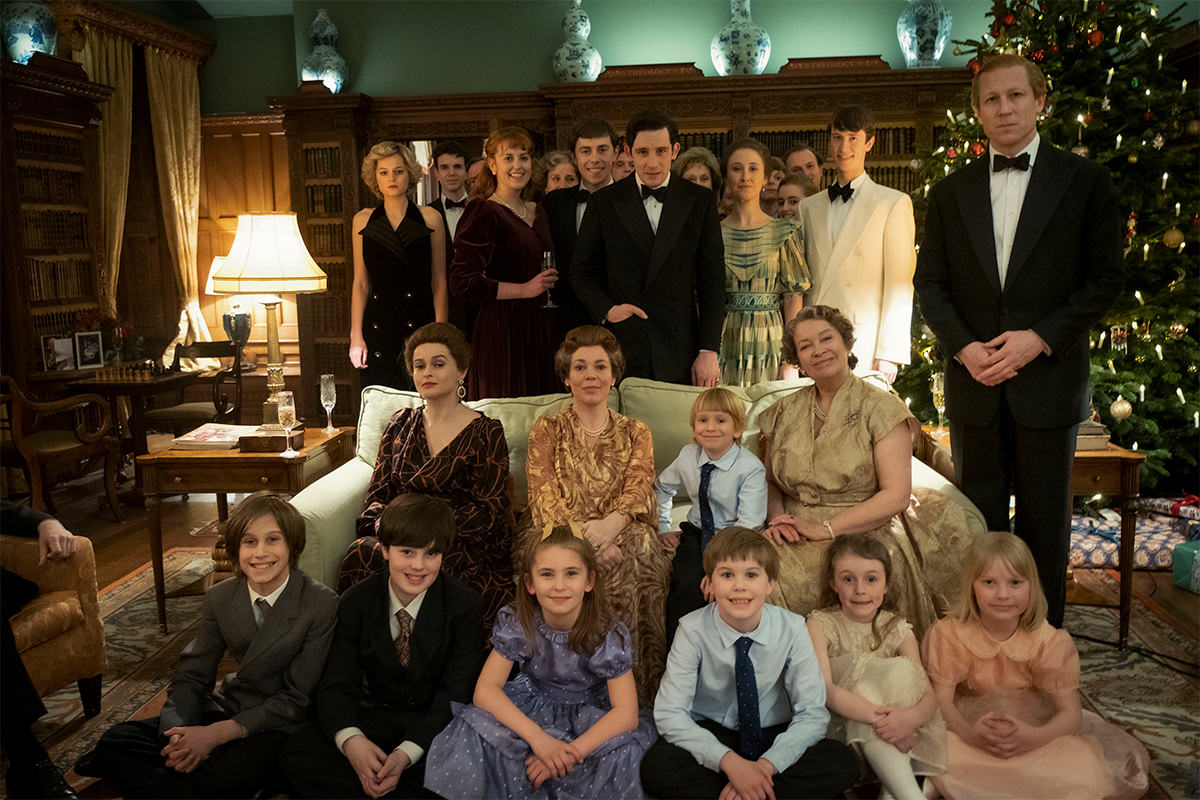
(89, 350)
(58, 353)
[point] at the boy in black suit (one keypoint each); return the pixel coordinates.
(408, 642)
(276, 623)
(650, 262)
(449, 166)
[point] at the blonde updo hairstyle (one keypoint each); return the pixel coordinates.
(384, 150)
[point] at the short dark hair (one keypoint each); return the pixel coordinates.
(801, 182)
(833, 316)
(291, 524)
(651, 119)
(854, 118)
(450, 148)
(417, 520)
(736, 543)
(800, 147)
(747, 144)
(438, 333)
(589, 336)
(592, 128)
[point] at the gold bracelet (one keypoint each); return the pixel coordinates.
(829, 527)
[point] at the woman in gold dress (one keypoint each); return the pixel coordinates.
(838, 455)
(594, 469)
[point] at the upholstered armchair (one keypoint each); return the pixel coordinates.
(59, 633)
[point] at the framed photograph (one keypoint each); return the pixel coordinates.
(89, 350)
(58, 354)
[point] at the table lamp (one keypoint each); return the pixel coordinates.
(268, 257)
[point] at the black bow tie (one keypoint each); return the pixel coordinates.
(1001, 163)
(454, 203)
(582, 195)
(843, 192)
(659, 194)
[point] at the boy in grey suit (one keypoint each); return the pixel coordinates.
(276, 623)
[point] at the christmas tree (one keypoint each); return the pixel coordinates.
(1111, 98)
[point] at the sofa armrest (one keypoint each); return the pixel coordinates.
(330, 507)
(75, 574)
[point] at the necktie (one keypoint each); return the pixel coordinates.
(1001, 163)
(262, 608)
(454, 203)
(749, 727)
(843, 192)
(659, 194)
(406, 621)
(707, 526)
(582, 195)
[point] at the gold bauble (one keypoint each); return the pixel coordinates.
(1173, 238)
(1193, 127)
(1176, 331)
(1120, 408)
(1133, 158)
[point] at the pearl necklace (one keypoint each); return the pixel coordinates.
(598, 431)
(522, 214)
(820, 415)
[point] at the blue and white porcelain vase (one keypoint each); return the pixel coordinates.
(576, 60)
(324, 63)
(741, 47)
(28, 28)
(923, 30)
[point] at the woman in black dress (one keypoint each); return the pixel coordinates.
(399, 267)
(498, 265)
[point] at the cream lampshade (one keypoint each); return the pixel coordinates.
(268, 257)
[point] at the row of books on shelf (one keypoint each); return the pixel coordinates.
(47, 185)
(888, 141)
(53, 323)
(332, 358)
(324, 198)
(44, 146)
(326, 239)
(901, 178)
(322, 162)
(59, 280)
(64, 231)
(330, 316)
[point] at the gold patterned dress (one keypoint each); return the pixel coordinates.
(763, 265)
(573, 481)
(821, 476)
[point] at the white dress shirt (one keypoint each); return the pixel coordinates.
(653, 206)
(1008, 195)
(840, 209)
(270, 598)
(737, 491)
(453, 215)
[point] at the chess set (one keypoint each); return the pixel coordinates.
(141, 372)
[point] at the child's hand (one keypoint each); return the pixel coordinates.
(389, 775)
(557, 755)
(537, 771)
(748, 780)
(367, 760)
(669, 539)
(1020, 737)
(191, 744)
(894, 724)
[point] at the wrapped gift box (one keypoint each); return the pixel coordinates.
(1185, 566)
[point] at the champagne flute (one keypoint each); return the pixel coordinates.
(328, 400)
(548, 264)
(937, 388)
(287, 418)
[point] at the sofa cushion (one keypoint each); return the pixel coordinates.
(379, 403)
(517, 414)
(47, 616)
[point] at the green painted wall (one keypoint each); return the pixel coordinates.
(254, 60)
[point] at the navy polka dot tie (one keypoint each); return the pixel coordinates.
(749, 726)
(707, 526)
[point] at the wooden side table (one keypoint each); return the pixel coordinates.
(224, 471)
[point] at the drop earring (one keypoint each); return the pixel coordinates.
(462, 390)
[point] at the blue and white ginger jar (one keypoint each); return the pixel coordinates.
(576, 60)
(28, 28)
(923, 30)
(741, 47)
(324, 63)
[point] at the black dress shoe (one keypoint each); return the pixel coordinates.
(40, 778)
(88, 766)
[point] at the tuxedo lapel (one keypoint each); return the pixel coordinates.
(675, 212)
(632, 212)
(974, 199)
(1048, 185)
(852, 229)
(822, 244)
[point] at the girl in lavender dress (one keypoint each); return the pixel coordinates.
(568, 724)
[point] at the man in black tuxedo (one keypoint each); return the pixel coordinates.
(594, 143)
(407, 642)
(650, 262)
(1022, 255)
(449, 166)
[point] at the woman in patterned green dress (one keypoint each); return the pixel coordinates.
(765, 273)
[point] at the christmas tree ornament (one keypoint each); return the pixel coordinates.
(1095, 38)
(1148, 116)
(1106, 104)
(1195, 220)
(1133, 158)
(1037, 56)
(1120, 408)
(1009, 20)
(1173, 238)
(977, 148)
(1103, 9)
(1159, 141)
(951, 153)
(1131, 224)
(1081, 150)
(1118, 336)
(1192, 127)
(1176, 331)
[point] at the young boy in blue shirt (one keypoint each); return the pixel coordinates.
(741, 708)
(728, 485)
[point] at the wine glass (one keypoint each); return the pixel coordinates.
(548, 264)
(937, 388)
(328, 400)
(287, 418)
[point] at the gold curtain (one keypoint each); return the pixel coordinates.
(108, 59)
(174, 88)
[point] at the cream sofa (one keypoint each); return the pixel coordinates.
(331, 504)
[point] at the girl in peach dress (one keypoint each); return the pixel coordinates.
(1007, 683)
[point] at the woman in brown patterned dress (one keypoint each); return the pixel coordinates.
(593, 468)
(449, 451)
(838, 455)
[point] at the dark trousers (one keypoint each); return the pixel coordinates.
(1033, 465)
(687, 570)
(130, 757)
(314, 767)
(826, 769)
(19, 700)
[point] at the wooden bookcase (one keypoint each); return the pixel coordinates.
(52, 247)
(325, 136)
